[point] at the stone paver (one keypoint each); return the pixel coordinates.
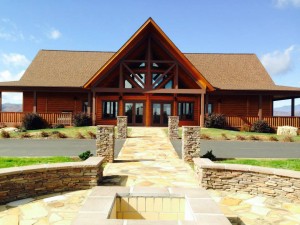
(148, 159)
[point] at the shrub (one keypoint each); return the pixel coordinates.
(205, 136)
(240, 137)
(261, 126)
(58, 126)
(5, 134)
(60, 135)
(44, 134)
(273, 138)
(26, 135)
(245, 128)
(92, 135)
(85, 155)
(33, 121)
(215, 121)
(209, 155)
(288, 139)
(254, 138)
(81, 120)
(80, 136)
(224, 136)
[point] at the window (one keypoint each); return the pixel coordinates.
(186, 110)
(85, 105)
(209, 108)
(110, 110)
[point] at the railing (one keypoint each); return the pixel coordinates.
(15, 118)
(273, 121)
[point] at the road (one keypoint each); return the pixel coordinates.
(222, 149)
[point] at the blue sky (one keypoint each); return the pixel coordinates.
(268, 28)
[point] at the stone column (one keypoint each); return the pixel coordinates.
(122, 127)
(190, 143)
(173, 122)
(105, 142)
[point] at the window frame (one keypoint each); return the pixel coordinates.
(180, 110)
(114, 108)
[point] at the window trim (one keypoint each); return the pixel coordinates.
(117, 110)
(193, 112)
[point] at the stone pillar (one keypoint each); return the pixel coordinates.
(190, 143)
(173, 122)
(122, 127)
(105, 142)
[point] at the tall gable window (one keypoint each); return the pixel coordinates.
(186, 110)
(110, 109)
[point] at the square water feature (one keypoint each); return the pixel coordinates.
(142, 205)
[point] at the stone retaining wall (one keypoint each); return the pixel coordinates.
(29, 181)
(122, 127)
(173, 122)
(279, 183)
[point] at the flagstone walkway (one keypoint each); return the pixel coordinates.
(148, 159)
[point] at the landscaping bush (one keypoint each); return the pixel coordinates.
(209, 155)
(254, 138)
(273, 138)
(58, 126)
(5, 134)
(224, 136)
(85, 155)
(82, 120)
(92, 135)
(240, 137)
(26, 135)
(44, 134)
(261, 126)
(205, 136)
(215, 121)
(59, 134)
(80, 136)
(33, 121)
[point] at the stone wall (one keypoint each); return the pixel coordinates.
(30, 181)
(105, 142)
(122, 127)
(173, 122)
(190, 143)
(255, 180)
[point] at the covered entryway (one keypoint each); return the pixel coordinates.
(160, 113)
(135, 113)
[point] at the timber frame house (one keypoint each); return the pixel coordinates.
(149, 79)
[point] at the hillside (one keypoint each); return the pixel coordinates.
(8, 107)
(286, 110)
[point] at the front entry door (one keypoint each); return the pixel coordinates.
(135, 113)
(160, 113)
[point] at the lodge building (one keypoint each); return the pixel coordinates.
(149, 79)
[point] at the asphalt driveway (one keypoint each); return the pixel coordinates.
(222, 149)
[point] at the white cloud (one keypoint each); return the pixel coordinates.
(12, 97)
(9, 31)
(54, 34)
(6, 75)
(285, 3)
(15, 59)
(278, 62)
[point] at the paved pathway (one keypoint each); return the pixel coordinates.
(152, 162)
(148, 159)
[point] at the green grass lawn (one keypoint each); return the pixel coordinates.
(291, 164)
(220, 134)
(70, 132)
(15, 161)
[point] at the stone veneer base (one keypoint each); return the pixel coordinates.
(31, 181)
(200, 209)
(255, 180)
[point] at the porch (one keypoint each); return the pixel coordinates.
(15, 118)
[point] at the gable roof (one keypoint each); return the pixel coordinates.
(150, 25)
(51, 68)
